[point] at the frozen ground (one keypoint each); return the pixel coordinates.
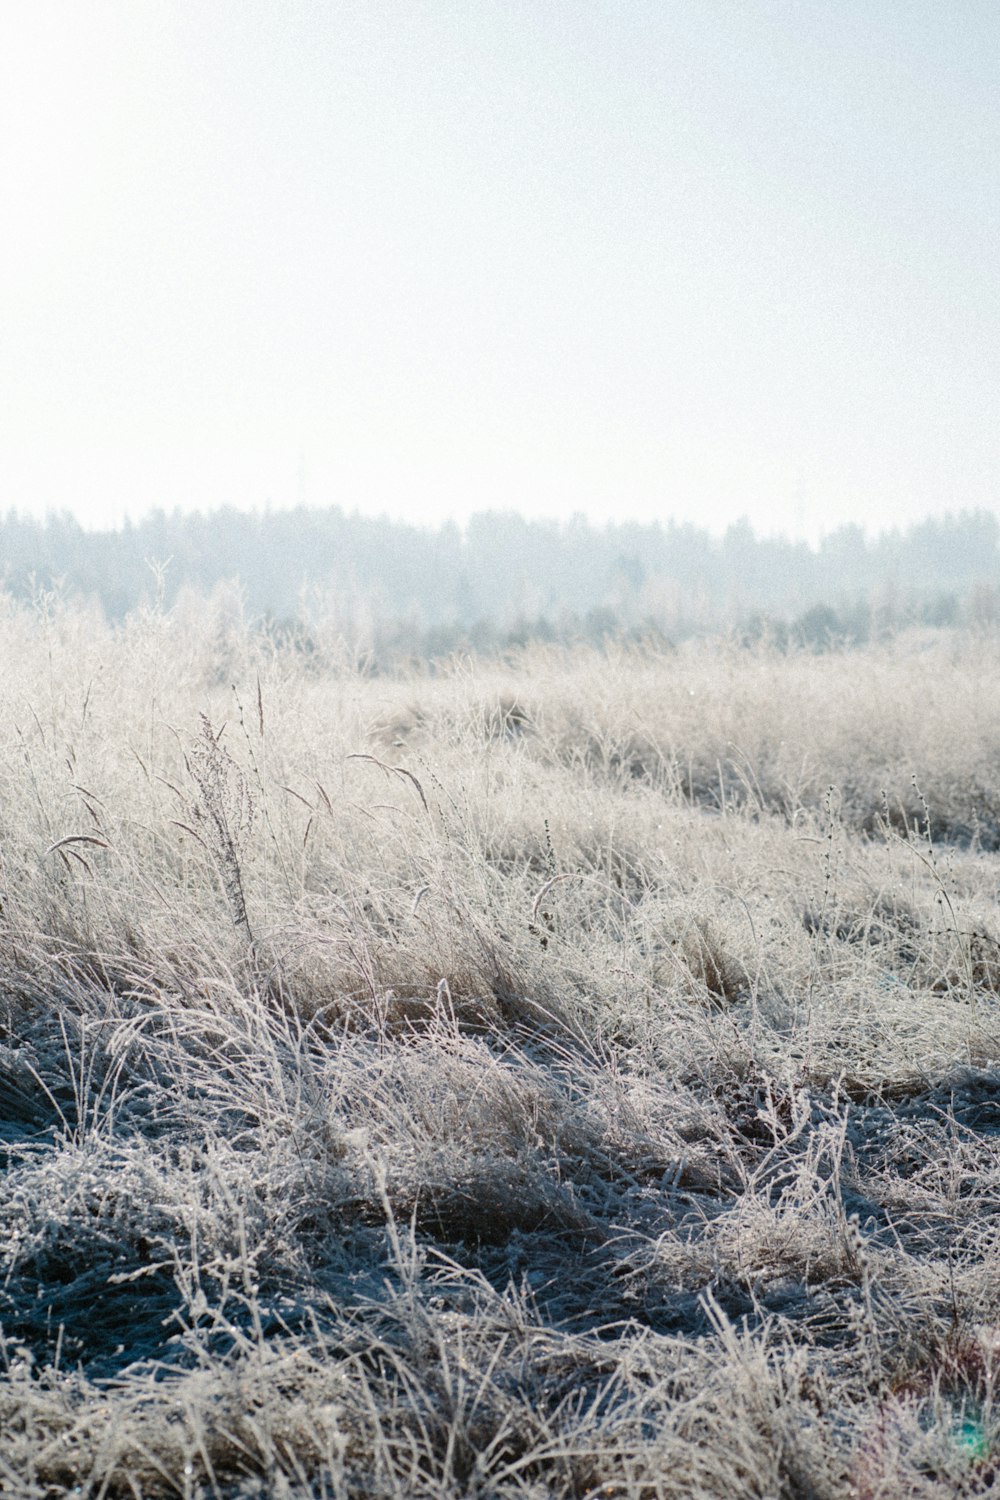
(574, 1077)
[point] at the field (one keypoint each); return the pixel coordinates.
(575, 1076)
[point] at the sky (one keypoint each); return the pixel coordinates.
(644, 259)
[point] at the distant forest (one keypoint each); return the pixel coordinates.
(389, 587)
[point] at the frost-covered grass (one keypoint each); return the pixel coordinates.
(579, 1077)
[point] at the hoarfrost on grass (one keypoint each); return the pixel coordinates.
(571, 1076)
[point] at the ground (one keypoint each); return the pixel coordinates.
(577, 1075)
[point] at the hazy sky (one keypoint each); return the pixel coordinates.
(636, 258)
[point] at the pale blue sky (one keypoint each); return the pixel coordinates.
(629, 258)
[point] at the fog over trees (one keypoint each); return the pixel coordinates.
(390, 585)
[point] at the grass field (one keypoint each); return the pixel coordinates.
(578, 1076)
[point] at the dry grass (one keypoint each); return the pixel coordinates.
(574, 1078)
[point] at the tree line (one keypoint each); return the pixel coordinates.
(503, 577)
